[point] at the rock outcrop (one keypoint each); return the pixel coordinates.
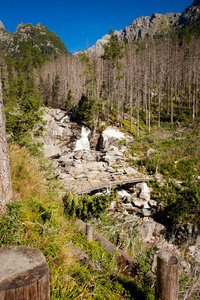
(140, 28)
(150, 27)
(83, 169)
(190, 15)
(1, 25)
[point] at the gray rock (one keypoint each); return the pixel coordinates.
(151, 230)
(87, 155)
(57, 172)
(91, 166)
(59, 115)
(143, 191)
(110, 170)
(112, 205)
(147, 212)
(51, 151)
(65, 119)
(153, 203)
(138, 202)
(151, 151)
(66, 177)
(1, 25)
(139, 29)
(130, 171)
(78, 154)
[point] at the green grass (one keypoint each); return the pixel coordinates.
(36, 219)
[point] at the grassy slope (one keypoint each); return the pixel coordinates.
(36, 219)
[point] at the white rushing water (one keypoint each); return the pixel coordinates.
(83, 143)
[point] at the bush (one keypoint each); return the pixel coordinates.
(86, 207)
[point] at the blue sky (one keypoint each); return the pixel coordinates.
(77, 22)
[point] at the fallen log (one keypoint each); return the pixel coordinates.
(125, 262)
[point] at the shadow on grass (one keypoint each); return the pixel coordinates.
(137, 291)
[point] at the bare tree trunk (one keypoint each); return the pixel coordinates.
(5, 177)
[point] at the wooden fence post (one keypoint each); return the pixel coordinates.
(89, 232)
(24, 274)
(167, 276)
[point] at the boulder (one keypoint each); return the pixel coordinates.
(151, 151)
(54, 130)
(112, 205)
(74, 170)
(138, 202)
(91, 166)
(66, 177)
(147, 212)
(150, 230)
(143, 191)
(130, 171)
(109, 159)
(59, 114)
(153, 203)
(52, 151)
(65, 119)
(78, 154)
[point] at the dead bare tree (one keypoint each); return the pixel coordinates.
(5, 176)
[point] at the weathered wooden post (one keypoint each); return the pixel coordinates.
(167, 276)
(89, 232)
(24, 274)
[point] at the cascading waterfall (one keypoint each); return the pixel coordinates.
(83, 143)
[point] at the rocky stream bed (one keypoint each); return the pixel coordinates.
(87, 162)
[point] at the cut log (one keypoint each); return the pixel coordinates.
(24, 274)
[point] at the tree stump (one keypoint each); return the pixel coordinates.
(24, 274)
(167, 276)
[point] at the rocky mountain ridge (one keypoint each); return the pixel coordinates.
(144, 27)
(151, 27)
(190, 15)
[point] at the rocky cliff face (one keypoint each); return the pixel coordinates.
(190, 15)
(1, 25)
(151, 27)
(4, 34)
(146, 27)
(143, 27)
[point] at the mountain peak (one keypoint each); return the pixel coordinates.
(46, 41)
(1, 25)
(190, 14)
(196, 3)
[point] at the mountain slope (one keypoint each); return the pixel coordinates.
(39, 36)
